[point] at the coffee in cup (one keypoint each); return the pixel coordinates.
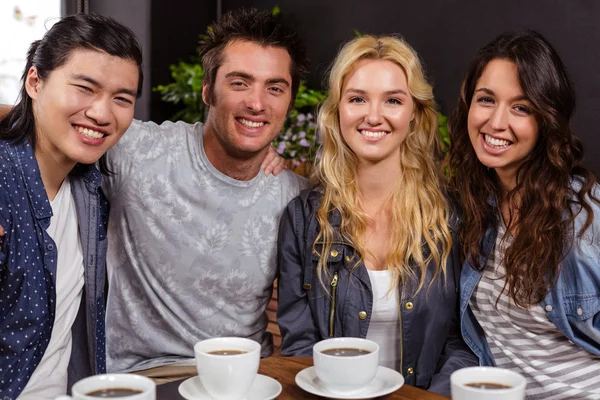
(227, 366)
(113, 393)
(346, 366)
(113, 386)
(491, 383)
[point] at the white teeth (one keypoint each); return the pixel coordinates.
(250, 124)
(89, 132)
(495, 142)
(371, 134)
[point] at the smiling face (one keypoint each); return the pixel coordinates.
(375, 111)
(502, 127)
(250, 100)
(83, 107)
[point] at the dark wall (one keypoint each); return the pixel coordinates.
(447, 33)
(174, 33)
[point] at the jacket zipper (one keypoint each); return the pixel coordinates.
(334, 283)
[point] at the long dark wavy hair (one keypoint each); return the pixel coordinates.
(75, 32)
(544, 193)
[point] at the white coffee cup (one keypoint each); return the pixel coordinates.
(81, 389)
(346, 375)
(227, 377)
(460, 378)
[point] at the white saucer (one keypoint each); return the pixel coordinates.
(263, 388)
(386, 381)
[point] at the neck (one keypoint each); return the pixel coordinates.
(376, 183)
(53, 170)
(509, 209)
(242, 167)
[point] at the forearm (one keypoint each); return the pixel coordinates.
(456, 355)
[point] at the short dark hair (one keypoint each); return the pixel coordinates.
(75, 32)
(256, 26)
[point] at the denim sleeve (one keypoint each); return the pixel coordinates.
(294, 315)
(456, 353)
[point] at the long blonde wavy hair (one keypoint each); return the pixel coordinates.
(419, 209)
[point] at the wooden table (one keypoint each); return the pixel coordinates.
(284, 369)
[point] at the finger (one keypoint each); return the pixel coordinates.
(278, 168)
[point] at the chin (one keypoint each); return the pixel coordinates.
(87, 159)
(251, 147)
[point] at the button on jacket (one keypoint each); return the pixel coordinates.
(28, 271)
(431, 347)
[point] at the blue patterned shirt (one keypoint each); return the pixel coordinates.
(28, 271)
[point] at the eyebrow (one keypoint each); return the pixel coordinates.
(387, 92)
(252, 78)
(491, 92)
(92, 81)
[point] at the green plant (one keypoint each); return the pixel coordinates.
(186, 89)
(443, 132)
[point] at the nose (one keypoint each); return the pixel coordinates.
(499, 119)
(254, 100)
(99, 111)
(374, 116)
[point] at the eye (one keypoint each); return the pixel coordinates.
(124, 100)
(522, 109)
(485, 100)
(238, 84)
(356, 100)
(84, 88)
(276, 89)
(395, 101)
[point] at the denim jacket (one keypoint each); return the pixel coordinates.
(28, 270)
(431, 347)
(573, 305)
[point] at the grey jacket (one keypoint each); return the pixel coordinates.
(431, 347)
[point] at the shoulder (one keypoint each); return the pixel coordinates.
(5, 160)
(142, 134)
(307, 203)
(8, 171)
(291, 179)
(592, 199)
(455, 212)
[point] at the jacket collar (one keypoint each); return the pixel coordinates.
(24, 159)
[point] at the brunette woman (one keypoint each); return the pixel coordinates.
(530, 286)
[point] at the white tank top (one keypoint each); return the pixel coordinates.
(384, 327)
(49, 380)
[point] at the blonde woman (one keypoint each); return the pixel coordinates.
(367, 252)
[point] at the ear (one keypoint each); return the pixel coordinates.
(206, 93)
(33, 83)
